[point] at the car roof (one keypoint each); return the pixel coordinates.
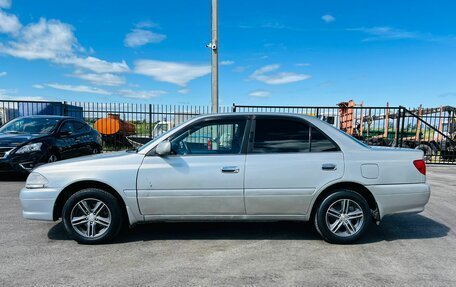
(271, 114)
(48, 117)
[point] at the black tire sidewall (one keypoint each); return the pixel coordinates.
(320, 216)
(106, 198)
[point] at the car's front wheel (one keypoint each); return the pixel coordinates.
(342, 217)
(92, 216)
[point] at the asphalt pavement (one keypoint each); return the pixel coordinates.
(405, 250)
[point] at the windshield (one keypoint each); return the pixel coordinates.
(30, 126)
(347, 135)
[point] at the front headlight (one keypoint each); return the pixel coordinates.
(36, 180)
(30, 148)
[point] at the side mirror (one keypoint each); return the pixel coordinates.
(163, 148)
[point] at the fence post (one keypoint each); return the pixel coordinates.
(418, 124)
(398, 122)
(402, 125)
(387, 111)
(234, 107)
(150, 120)
(64, 108)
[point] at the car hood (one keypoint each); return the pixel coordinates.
(14, 140)
(93, 162)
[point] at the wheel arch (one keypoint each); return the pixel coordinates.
(80, 185)
(347, 185)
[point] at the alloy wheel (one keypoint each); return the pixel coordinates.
(90, 218)
(344, 217)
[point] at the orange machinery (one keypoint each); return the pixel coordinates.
(112, 125)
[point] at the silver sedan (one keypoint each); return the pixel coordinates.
(232, 167)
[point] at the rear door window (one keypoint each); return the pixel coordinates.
(276, 135)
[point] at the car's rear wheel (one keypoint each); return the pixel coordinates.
(92, 216)
(342, 217)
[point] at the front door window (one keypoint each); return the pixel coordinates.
(210, 138)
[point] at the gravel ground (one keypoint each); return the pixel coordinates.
(405, 250)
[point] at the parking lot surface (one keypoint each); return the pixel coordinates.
(405, 250)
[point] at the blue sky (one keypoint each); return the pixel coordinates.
(271, 52)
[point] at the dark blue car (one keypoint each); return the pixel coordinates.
(29, 141)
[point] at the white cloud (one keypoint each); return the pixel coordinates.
(183, 91)
(2, 74)
(146, 24)
(79, 89)
(140, 37)
(9, 23)
(3, 93)
(100, 79)
(260, 94)
(48, 40)
(264, 75)
(328, 18)
(6, 95)
(5, 4)
(302, 64)
(55, 41)
(226, 63)
(95, 64)
(388, 33)
(37, 86)
(142, 94)
(171, 72)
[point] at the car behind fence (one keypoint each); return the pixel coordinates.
(128, 125)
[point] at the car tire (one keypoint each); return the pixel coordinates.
(92, 216)
(342, 217)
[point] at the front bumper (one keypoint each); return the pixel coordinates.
(401, 198)
(21, 162)
(38, 203)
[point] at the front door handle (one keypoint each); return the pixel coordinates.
(230, 169)
(328, 166)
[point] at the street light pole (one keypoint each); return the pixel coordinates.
(214, 61)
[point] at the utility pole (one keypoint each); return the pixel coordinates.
(214, 51)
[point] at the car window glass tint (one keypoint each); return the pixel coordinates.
(215, 137)
(320, 142)
(281, 136)
(79, 127)
(67, 127)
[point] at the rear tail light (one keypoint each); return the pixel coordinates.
(420, 166)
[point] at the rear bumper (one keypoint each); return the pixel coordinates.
(38, 203)
(401, 198)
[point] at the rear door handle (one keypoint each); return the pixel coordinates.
(230, 169)
(328, 166)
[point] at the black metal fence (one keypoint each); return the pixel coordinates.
(432, 130)
(126, 125)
